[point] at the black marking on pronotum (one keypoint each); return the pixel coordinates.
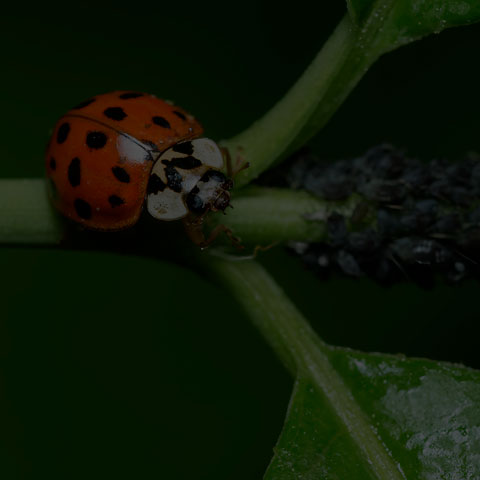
(115, 201)
(161, 121)
(183, 147)
(74, 172)
(63, 132)
(155, 184)
(83, 208)
(84, 104)
(185, 163)
(214, 175)
(96, 140)
(115, 113)
(121, 174)
(128, 95)
(53, 164)
(179, 114)
(174, 179)
(194, 202)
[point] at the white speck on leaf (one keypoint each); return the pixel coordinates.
(438, 420)
(459, 8)
(374, 371)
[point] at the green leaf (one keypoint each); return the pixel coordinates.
(358, 415)
(359, 10)
(398, 22)
(427, 415)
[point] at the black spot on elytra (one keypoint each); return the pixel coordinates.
(63, 132)
(74, 172)
(128, 95)
(174, 179)
(155, 184)
(84, 104)
(96, 140)
(185, 163)
(115, 113)
(121, 174)
(53, 164)
(163, 122)
(115, 201)
(83, 209)
(194, 202)
(179, 114)
(184, 147)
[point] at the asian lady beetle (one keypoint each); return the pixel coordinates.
(114, 152)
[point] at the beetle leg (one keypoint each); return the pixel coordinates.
(261, 248)
(193, 227)
(233, 170)
(217, 231)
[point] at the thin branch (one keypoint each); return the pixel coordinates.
(262, 216)
(301, 350)
(26, 217)
(308, 105)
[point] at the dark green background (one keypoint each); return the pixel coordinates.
(122, 367)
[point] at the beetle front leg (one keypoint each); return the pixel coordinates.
(233, 170)
(193, 227)
(217, 231)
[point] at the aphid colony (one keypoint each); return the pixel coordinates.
(419, 218)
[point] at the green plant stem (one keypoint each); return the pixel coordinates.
(262, 216)
(301, 350)
(26, 216)
(309, 104)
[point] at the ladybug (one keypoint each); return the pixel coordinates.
(115, 152)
